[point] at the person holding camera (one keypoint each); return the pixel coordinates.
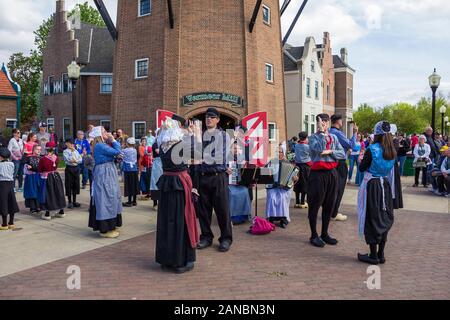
(421, 152)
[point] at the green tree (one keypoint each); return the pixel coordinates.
(89, 14)
(366, 117)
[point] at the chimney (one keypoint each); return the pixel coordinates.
(344, 55)
(326, 38)
(60, 6)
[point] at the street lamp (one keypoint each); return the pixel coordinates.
(434, 81)
(73, 71)
(446, 123)
(442, 110)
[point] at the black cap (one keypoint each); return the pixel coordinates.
(335, 118)
(212, 111)
(70, 140)
(5, 153)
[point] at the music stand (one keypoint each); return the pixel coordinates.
(256, 176)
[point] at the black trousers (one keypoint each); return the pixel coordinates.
(213, 190)
(342, 173)
(424, 175)
(322, 189)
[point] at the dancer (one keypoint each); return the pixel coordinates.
(303, 162)
(8, 203)
(177, 234)
(84, 149)
(325, 151)
(72, 173)
(130, 173)
(32, 185)
(51, 195)
(105, 210)
(375, 203)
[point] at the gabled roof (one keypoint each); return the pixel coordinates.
(339, 63)
(6, 87)
(95, 54)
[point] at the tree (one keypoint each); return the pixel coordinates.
(366, 117)
(89, 14)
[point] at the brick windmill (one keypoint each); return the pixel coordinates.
(185, 55)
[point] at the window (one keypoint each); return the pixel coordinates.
(65, 83)
(272, 131)
(266, 14)
(328, 91)
(50, 123)
(67, 124)
(306, 123)
(106, 83)
(313, 124)
(11, 123)
(145, 8)
(106, 124)
(316, 89)
(51, 84)
(139, 128)
(350, 97)
(141, 68)
(269, 72)
(308, 87)
(313, 66)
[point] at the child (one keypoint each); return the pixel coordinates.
(8, 203)
(130, 171)
(73, 159)
(51, 195)
(32, 180)
(303, 162)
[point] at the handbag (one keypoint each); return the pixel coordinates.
(261, 226)
(420, 163)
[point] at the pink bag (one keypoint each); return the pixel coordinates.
(261, 226)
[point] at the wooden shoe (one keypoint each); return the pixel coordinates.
(304, 206)
(2, 228)
(11, 226)
(340, 217)
(110, 234)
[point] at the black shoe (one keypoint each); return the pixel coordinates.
(329, 240)
(127, 204)
(188, 267)
(381, 259)
(134, 204)
(367, 259)
(203, 244)
(70, 206)
(317, 242)
(76, 205)
(283, 224)
(225, 246)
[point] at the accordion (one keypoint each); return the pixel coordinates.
(287, 173)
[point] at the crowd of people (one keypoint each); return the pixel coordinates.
(189, 172)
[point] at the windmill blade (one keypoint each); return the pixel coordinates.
(255, 15)
(284, 6)
(107, 19)
(286, 37)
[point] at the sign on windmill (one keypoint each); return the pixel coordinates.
(258, 136)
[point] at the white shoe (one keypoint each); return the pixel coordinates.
(59, 215)
(44, 217)
(340, 217)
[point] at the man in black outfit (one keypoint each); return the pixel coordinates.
(213, 184)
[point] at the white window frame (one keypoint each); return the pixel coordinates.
(316, 90)
(51, 85)
(101, 84)
(308, 87)
(11, 120)
(136, 68)
(313, 66)
(265, 7)
(139, 122)
(274, 138)
(103, 121)
(70, 129)
(271, 72)
(139, 9)
(52, 121)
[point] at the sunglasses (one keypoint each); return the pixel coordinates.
(211, 117)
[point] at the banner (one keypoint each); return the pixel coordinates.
(258, 135)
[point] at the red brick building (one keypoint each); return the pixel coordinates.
(9, 100)
(93, 49)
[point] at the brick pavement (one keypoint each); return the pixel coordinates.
(281, 265)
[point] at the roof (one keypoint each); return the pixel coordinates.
(96, 55)
(294, 52)
(339, 63)
(6, 87)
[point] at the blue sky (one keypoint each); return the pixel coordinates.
(393, 44)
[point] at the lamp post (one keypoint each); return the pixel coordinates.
(73, 71)
(445, 121)
(434, 81)
(448, 127)
(442, 110)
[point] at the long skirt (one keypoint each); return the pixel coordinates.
(173, 247)
(31, 190)
(379, 220)
(72, 180)
(301, 186)
(240, 205)
(131, 183)
(145, 181)
(51, 195)
(398, 200)
(105, 210)
(157, 171)
(277, 204)
(8, 203)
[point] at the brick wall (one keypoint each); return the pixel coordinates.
(328, 76)
(8, 110)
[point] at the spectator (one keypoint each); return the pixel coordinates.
(422, 159)
(414, 140)
(402, 150)
(83, 147)
(16, 148)
(43, 137)
(434, 149)
(150, 138)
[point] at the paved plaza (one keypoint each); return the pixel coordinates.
(281, 265)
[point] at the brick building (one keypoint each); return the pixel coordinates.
(208, 56)
(313, 70)
(93, 49)
(9, 100)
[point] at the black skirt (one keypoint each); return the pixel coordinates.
(52, 195)
(303, 176)
(378, 221)
(173, 247)
(131, 183)
(103, 226)
(398, 201)
(8, 203)
(72, 180)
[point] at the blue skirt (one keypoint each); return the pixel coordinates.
(32, 186)
(240, 205)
